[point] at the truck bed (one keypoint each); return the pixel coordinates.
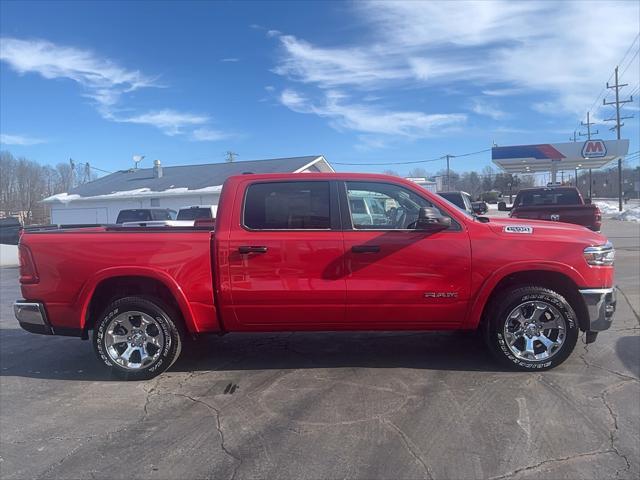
(179, 257)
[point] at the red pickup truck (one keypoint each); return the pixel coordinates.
(289, 253)
(558, 204)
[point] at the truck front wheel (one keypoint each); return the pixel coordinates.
(137, 337)
(531, 328)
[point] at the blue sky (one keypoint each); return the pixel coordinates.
(359, 82)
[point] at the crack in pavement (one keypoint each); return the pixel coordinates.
(614, 417)
(410, 446)
(589, 364)
(551, 460)
(633, 310)
(237, 460)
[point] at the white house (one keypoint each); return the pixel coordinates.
(100, 201)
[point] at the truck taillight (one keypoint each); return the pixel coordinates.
(28, 272)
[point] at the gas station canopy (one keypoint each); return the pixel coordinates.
(552, 157)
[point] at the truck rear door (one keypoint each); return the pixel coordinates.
(286, 256)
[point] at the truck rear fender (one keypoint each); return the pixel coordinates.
(560, 277)
(193, 323)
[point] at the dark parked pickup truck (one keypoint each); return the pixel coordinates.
(558, 204)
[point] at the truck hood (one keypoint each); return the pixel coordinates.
(524, 228)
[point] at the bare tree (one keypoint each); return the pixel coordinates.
(64, 177)
(418, 172)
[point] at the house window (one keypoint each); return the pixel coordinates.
(155, 202)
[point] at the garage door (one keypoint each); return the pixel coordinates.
(64, 216)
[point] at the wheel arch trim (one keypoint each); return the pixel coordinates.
(479, 303)
(87, 292)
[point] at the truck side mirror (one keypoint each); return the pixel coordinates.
(431, 220)
(502, 206)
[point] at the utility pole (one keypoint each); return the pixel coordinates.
(588, 125)
(574, 138)
(617, 86)
(231, 156)
(72, 164)
(588, 135)
(448, 157)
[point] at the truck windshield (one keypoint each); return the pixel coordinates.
(548, 197)
(194, 213)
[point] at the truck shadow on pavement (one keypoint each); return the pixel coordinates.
(628, 351)
(71, 359)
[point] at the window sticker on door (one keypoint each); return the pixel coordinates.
(526, 229)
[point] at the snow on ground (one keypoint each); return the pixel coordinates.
(630, 211)
(628, 215)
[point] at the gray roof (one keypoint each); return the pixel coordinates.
(191, 177)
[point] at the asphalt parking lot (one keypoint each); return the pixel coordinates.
(324, 406)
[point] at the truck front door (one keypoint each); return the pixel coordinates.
(398, 277)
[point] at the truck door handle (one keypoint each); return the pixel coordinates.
(365, 248)
(244, 249)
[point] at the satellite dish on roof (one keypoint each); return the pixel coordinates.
(137, 159)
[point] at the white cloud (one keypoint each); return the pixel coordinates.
(22, 140)
(230, 60)
(331, 67)
(170, 122)
(208, 135)
(481, 107)
(103, 81)
(367, 119)
(503, 92)
(548, 49)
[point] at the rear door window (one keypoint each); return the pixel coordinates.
(287, 206)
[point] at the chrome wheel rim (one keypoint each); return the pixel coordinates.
(535, 331)
(134, 340)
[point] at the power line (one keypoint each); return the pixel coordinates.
(390, 163)
(443, 157)
(629, 49)
(630, 62)
(471, 153)
(599, 96)
(94, 168)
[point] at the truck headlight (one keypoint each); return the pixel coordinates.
(600, 255)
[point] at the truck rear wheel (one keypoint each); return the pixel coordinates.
(137, 337)
(531, 328)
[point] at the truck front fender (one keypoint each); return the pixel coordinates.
(474, 314)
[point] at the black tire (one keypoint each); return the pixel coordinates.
(498, 321)
(166, 329)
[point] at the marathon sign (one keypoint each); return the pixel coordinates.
(543, 157)
(594, 149)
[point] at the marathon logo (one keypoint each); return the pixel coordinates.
(594, 149)
(526, 229)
